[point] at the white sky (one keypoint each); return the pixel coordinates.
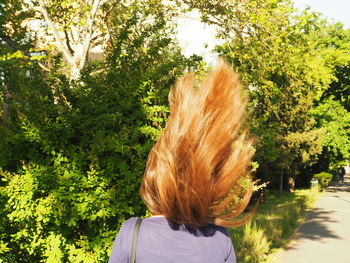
(337, 10)
(197, 38)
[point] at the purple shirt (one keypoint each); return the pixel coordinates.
(158, 242)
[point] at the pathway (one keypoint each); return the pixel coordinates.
(325, 235)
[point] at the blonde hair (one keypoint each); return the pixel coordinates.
(193, 174)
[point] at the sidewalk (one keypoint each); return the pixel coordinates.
(325, 235)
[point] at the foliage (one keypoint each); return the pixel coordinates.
(75, 132)
(323, 179)
(271, 60)
(73, 151)
(334, 43)
(15, 43)
(13, 33)
(334, 119)
(288, 60)
(76, 26)
(331, 111)
(252, 244)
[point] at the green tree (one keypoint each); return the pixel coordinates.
(76, 27)
(334, 119)
(271, 46)
(15, 43)
(335, 43)
(332, 103)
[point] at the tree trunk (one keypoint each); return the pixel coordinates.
(281, 180)
(291, 180)
(7, 97)
(291, 184)
(75, 56)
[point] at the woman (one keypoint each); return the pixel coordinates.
(196, 180)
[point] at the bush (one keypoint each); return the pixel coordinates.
(251, 243)
(323, 179)
(73, 153)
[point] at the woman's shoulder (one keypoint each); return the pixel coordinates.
(128, 226)
(130, 221)
(158, 223)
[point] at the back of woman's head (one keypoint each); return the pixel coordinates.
(197, 171)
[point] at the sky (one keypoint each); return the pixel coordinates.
(337, 10)
(197, 38)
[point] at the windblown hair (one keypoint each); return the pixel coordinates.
(197, 172)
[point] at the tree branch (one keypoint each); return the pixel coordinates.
(54, 30)
(110, 9)
(96, 5)
(96, 37)
(88, 37)
(12, 45)
(102, 2)
(68, 43)
(42, 66)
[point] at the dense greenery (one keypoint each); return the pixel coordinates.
(75, 130)
(323, 179)
(293, 64)
(73, 151)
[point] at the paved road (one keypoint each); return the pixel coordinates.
(325, 235)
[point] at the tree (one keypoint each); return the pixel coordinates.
(335, 43)
(15, 43)
(270, 45)
(331, 104)
(334, 119)
(76, 26)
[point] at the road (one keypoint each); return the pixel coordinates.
(325, 235)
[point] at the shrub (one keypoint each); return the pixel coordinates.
(73, 153)
(323, 179)
(251, 242)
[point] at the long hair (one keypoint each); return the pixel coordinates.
(197, 172)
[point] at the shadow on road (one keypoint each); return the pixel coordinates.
(339, 187)
(324, 237)
(315, 227)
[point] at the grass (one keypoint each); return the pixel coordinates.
(275, 221)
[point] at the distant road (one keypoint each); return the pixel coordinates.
(325, 235)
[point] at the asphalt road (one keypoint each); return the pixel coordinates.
(325, 235)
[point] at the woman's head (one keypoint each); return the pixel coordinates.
(197, 171)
